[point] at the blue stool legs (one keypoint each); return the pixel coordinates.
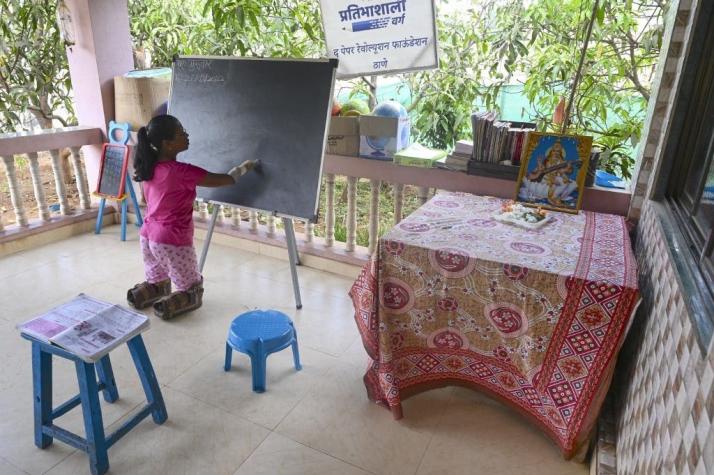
(258, 364)
(42, 389)
(296, 353)
(148, 379)
(229, 358)
(258, 360)
(93, 423)
(96, 442)
(106, 377)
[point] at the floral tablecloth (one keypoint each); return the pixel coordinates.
(533, 317)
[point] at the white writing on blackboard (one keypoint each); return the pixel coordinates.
(200, 77)
(198, 70)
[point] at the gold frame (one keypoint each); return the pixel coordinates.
(584, 146)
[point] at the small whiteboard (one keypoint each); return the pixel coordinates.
(380, 37)
(112, 171)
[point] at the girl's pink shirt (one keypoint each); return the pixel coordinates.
(169, 198)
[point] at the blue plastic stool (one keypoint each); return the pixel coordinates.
(259, 333)
(96, 444)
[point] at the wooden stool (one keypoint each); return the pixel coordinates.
(96, 443)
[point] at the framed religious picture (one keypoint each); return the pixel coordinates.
(553, 170)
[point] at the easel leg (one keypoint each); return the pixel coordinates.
(296, 254)
(123, 219)
(209, 235)
(137, 211)
(100, 216)
(293, 257)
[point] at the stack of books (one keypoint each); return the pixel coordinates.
(461, 156)
(498, 145)
(498, 141)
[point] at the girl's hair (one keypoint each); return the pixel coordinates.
(160, 128)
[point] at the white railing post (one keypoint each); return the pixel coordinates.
(42, 208)
(271, 225)
(253, 221)
(374, 186)
(351, 214)
(309, 231)
(60, 185)
(203, 209)
(15, 192)
(398, 201)
(423, 193)
(330, 213)
(235, 216)
(80, 177)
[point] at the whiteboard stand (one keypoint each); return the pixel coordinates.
(293, 256)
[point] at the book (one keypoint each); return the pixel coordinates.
(86, 327)
(464, 147)
(496, 141)
(417, 155)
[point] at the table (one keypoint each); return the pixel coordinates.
(534, 318)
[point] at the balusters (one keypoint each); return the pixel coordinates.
(222, 214)
(374, 186)
(253, 221)
(15, 192)
(235, 216)
(60, 185)
(271, 225)
(423, 193)
(330, 212)
(309, 231)
(203, 209)
(42, 208)
(80, 177)
(351, 213)
(398, 202)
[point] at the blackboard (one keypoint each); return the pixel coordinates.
(112, 170)
(277, 111)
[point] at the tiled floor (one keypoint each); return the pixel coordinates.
(316, 421)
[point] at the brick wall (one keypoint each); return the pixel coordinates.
(666, 410)
(662, 396)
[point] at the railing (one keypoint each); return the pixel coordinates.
(378, 172)
(16, 149)
(20, 148)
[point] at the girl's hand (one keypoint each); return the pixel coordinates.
(240, 170)
(248, 165)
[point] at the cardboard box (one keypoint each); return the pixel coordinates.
(382, 137)
(138, 98)
(343, 136)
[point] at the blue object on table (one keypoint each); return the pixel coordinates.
(608, 180)
(259, 333)
(96, 443)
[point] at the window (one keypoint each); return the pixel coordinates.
(685, 187)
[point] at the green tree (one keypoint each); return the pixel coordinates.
(34, 75)
(538, 44)
(257, 28)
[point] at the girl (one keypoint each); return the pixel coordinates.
(167, 233)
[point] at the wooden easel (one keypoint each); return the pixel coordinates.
(125, 184)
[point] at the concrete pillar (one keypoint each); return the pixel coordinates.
(101, 51)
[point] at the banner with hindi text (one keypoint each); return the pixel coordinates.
(380, 36)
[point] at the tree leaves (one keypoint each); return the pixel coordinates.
(34, 75)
